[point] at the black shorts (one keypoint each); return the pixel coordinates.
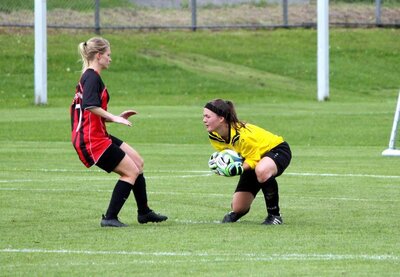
(281, 155)
(112, 156)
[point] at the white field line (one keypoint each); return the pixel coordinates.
(188, 174)
(184, 221)
(104, 177)
(342, 175)
(110, 190)
(208, 173)
(205, 256)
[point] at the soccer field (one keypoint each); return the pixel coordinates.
(339, 197)
(339, 204)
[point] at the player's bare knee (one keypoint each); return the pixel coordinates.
(130, 174)
(141, 166)
(262, 179)
(127, 179)
(263, 176)
(131, 178)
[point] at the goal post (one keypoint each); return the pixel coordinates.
(40, 52)
(391, 150)
(323, 50)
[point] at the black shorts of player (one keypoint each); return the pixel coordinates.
(112, 156)
(280, 154)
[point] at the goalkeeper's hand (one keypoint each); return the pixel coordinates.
(227, 168)
(212, 164)
(233, 169)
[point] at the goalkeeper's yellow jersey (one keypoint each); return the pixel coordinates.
(251, 142)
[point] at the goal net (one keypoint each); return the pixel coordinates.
(391, 150)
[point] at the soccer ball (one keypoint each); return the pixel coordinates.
(230, 156)
(226, 163)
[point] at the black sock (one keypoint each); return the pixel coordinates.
(271, 196)
(120, 194)
(237, 216)
(139, 191)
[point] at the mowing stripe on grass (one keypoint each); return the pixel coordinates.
(198, 194)
(214, 256)
(226, 71)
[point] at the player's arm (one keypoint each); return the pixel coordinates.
(246, 166)
(109, 116)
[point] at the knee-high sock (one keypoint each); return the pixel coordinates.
(119, 196)
(140, 193)
(271, 196)
(236, 216)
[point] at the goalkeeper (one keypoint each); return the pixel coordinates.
(265, 155)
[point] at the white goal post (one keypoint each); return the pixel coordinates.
(40, 52)
(391, 150)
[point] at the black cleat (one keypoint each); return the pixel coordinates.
(111, 222)
(151, 217)
(230, 217)
(273, 220)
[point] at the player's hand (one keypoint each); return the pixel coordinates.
(212, 161)
(219, 171)
(127, 114)
(121, 120)
(232, 169)
(212, 164)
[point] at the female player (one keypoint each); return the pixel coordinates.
(265, 155)
(95, 146)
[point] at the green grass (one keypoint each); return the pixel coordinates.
(272, 66)
(86, 5)
(339, 197)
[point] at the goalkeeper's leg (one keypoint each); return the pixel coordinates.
(271, 196)
(243, 197)
(241, 203)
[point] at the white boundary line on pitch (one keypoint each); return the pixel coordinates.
(208, 173)
(101, 178)
(110, 190)
(214, 256)
(202, 173)
(343, 175)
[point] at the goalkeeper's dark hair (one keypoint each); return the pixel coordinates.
(226, 109)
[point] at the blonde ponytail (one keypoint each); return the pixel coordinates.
(90, 48)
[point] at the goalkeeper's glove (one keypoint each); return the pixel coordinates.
(226, 167)
(212, 161)
(233, 169)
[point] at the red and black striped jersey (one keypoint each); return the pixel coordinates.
(88, 131)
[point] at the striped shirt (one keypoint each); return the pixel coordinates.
(88, 131)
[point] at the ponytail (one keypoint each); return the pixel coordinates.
(90, 48)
